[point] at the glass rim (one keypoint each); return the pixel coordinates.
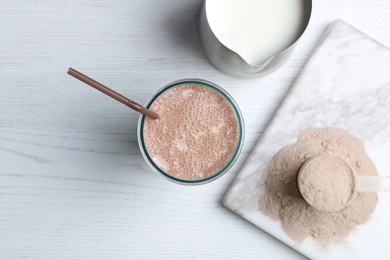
(228, 165)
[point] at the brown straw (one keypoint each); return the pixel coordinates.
(112, 93)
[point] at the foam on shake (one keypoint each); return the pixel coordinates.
(196, 135)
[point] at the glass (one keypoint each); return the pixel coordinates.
(240, 140)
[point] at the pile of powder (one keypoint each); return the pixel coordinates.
(282, 200)
(326, 182)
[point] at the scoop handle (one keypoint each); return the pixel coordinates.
(371, 183)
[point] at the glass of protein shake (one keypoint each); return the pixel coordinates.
(199, 133)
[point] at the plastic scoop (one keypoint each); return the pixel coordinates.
(329, 183)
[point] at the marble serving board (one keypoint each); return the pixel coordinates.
(345, 83)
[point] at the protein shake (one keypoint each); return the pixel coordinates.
(198, 135)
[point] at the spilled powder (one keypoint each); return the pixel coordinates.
(282, 200)
(326, 182)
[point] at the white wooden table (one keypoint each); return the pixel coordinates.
(73, 184)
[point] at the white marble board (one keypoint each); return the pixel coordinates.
(345, 83)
